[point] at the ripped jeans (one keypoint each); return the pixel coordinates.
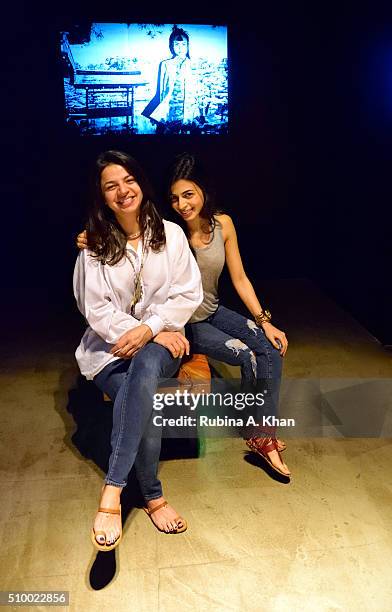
(232, 338)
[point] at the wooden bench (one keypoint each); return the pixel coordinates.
(194, 376)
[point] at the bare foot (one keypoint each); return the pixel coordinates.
(110, 524)
(166, 518)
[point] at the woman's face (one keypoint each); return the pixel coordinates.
(187, 199)
(120, 190)
(180, 47)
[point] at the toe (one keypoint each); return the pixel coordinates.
(114, 536)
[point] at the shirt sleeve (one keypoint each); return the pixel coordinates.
(163, 81)
(185, 291)
(95, 300)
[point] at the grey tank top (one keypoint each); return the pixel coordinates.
(210, 260)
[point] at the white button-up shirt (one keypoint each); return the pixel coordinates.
(172, 291)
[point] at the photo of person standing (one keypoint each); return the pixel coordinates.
(174, 103)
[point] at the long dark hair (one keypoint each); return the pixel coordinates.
(187, 168)
(105, 236)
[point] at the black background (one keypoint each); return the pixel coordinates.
(305, 171)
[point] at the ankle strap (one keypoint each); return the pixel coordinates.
(109, 510)
(158, 507)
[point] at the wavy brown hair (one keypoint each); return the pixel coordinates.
(105, 236)
(187, 168)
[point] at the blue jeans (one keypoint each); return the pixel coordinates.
(135, 440)
(232, 338)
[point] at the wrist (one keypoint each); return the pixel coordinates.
(266, 325)
(148, 331)
(263, 317)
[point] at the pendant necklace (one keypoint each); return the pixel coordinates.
(137, 282)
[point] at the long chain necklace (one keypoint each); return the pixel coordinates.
(137, 279)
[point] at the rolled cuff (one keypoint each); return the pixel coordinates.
(155, 323)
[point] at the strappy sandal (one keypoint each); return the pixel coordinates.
(280, 444)
(178, 518)
(263, 446)
(106, 547)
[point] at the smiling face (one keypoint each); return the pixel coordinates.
(186, 199)
(121, 192)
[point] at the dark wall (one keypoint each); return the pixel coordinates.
(305, 170)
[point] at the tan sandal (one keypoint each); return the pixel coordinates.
(178, 518)
(263, 446)
(106, 547)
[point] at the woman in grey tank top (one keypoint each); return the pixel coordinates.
(253, 344)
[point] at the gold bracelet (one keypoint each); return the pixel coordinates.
(263, 317)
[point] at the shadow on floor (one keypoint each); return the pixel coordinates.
(259, 462)
(93, 419)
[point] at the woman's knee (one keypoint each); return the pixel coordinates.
(149, 362)
(268, 357)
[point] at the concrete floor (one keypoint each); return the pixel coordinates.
(321, 543)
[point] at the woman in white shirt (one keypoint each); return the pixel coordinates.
(136, 285)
